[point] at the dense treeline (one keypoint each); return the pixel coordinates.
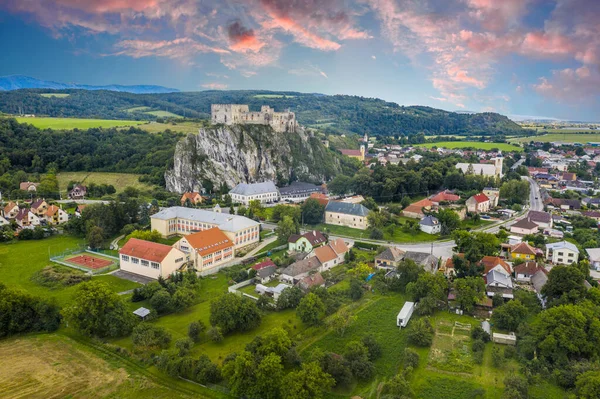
(340, 113)
(26, 148)
(21, 312)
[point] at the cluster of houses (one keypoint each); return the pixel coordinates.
(39, 212)
(76, 193)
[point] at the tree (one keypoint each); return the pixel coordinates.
(376, 234)
(359, 362)
(231, 312)
(361, 271)
(421, 332)
(378, 219)
(311, 309)
(255, 208)
(22, 312)
(285, 228)
(469, 291)
(515, 191)
(564, 285)
(427, 284)
(341, 321)
(312, 211)
(373, 347)
(95, 237)
(308, 383)
(449, 220)
(497, 358)
(408, 271)
(195, 329)
(397, 388)
(289, 298)
(275, 341)
(98, 311)
(340, 185)
(475, 245)
(411, 358)
(509, 315)
(515, 387)
(150, 336)
(215, 334)
(161, 301)
(269, 374)
(588, 385)
(356, 290)
(336, 366)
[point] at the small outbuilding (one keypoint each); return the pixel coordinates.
(405, 314)
(505, 339)
(142, 313)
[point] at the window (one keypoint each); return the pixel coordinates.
(135, 261)
(125, 258)
(145, 263)
(155, 265)
(178, 260)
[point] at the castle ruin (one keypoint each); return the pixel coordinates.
(231, 114)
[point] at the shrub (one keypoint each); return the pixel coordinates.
(53, 276)
(21, 312)
(161, 301)
(479, 333)
(215, 334)
(411, 358)
(184, 345)
(372, 346)
(150, 336)
(195, 329)
(497, 358)
(421, 332)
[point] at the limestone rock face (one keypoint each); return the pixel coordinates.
(235, 154)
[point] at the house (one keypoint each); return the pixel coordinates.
(265, 192)
(483, 169)
(389, 259)
(542, 219)
(180, 220)
(344, 214)
(194, 197)
(10, 210)
(300, 269)
(567, 176)
(3, 222)
(28, 186)
(538, 280)
(525, 271)
(415, 210)
(39, 208)
(546, 180)
(327, 257)
(207, 249)
(340, 248)
(490, 263)
(524, 227)
(444, 196)
(150, 259)
(306, 242)
(592, 214)
(298, 191)
(562, 253)
(427, 261)
(55, 215)
(594, 256)
(478, 203)
(266, 263)
(26, 218)
(313, 280)
(79, 209)
(323, 199)
(565, 204)
(499, 283)
(78, 192)
(534, 171)
(493, 194)
(523, 251)
(266, 274)
(356, 154)
(430, 225)
(591, 202)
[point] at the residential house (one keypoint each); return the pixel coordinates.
(417, 209)
(266, 274)
(10, 210)
(594, 256)
(306, 242)
(3, 221)
(150, 259)
(493, 194)
(534, 171)
(427, 261)
(180, 220)
(265, 192)
(525, 271)
(349, 215)
(591, 202)
(323, 199)
(266, 263)
(478, 203)
(499, 283)
(78, 192)
(542, 219)
(300, 269)
(430, 225)
(313, 280)
(26, 218)
(483, 169)
(566, 204)
(28, 186)
(567, 176)
(445, 196)
(490, 263)
(562, 253)
(55, 215)
(523, 251)
(340, 248)
(79, 209)
(546, 180)
(326, 256)
(389, 259)
(538, 280)
(208, 250)
(524, 227)
(194, 198)
(39, 208)
(298, 191)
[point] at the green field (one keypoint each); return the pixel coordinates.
(272, 96)
(398, 236)
(472, 144)
(57, 95)
(163, 114)
(74, 123)
(181, 127)
(562, 137)
(119, 180)
(137, 109)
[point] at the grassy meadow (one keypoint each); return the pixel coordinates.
(398, 235)
(75, 123)
(472, 144)
(119, 180)
(564, 136)
(56, 95)
(180, 127)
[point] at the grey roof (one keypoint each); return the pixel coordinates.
(142, 312)
(299, 187)
(254, 188)
(391, 253)
(302, 266)
(494, 276)
(593, 253)
(225, 221)
(561, 245)
(525, 224)
(266, 271)
(428, 261)
(429, 221)
(486, 326)
(538, 280)
(537, 216)
(346, 208)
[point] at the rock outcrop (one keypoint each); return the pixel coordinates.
(234, 154)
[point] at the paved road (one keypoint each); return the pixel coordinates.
(535, 198)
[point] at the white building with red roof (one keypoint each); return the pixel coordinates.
(478, 203)
(207, 249)
(150, 259)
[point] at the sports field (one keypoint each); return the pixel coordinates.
(87, 261)
(472, 144)
(73, 123)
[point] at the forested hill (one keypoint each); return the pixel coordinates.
(334, 114)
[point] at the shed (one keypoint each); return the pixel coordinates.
(504, 339)
(142, 312)
(405, 313)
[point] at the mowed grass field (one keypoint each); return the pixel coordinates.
(181, 127)
(119, 180)
(563, 137)
(74, 123)
(57, 95)
(472, 144)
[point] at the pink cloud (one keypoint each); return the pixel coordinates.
(570, 84)
(184, 49)
(243, 39)
(215, 86)
(496, 15)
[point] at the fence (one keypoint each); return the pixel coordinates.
(60, 258)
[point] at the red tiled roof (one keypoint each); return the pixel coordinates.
(489, 262)
(325, 254)
(262, 265)
(209, 241)
(350, 153)
(481, 197)
(444, 196)
(321, 198)
(148, 250)
(523, 248)
(52, 209)
(339, 246)
(9, 207)
(527, 268)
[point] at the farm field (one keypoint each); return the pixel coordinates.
(119, 180)
(163, 114)
(181, 127)
(57, 95)
(74, 123)
(272, 96)
(473, 144)
(567, 137)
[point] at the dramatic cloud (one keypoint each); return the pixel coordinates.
(243, 39)
(183, 49)
(573, 85)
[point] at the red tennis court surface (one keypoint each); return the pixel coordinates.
(91, 262)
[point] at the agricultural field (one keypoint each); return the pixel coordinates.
(74, 123)
(56, 95)
(163, 114)
(472, 144)
(565, 137)
(180, 127)
(119, 180)
(272, 96)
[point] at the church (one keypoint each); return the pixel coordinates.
(483, 169)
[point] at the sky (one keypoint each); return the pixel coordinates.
(517, 57)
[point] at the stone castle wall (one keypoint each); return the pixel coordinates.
(230, 114)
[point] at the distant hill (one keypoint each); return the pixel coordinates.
(16, 82)
(338, 114)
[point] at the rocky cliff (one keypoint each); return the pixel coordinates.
(234, 154)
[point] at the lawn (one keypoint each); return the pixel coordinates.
(119, 180)
(473, 144)
(72, 123)
(20, 260)
(398, 235)
(470, 224)
(565, 136)
(57, 95)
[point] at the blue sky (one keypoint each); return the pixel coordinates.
(516, 57)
